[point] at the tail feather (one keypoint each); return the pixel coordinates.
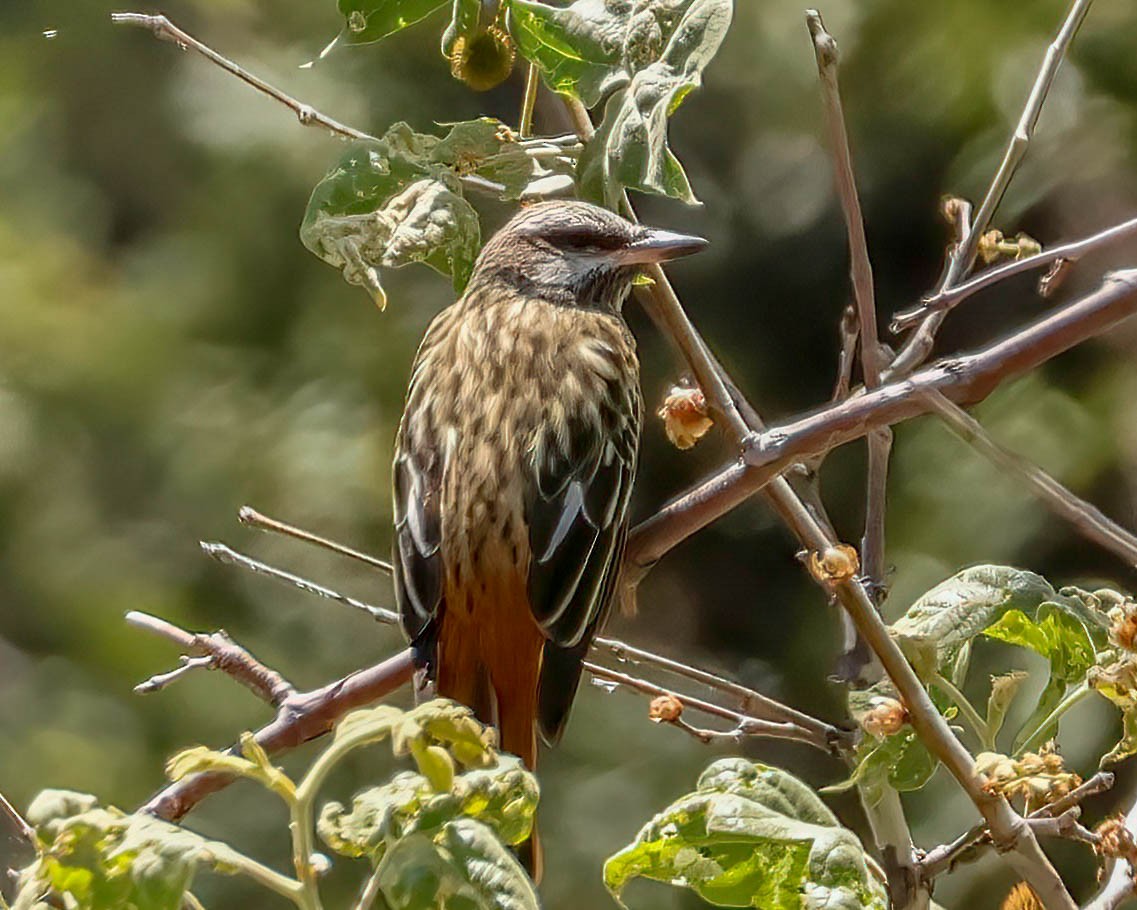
(560, 677)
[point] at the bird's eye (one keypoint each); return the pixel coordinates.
(583, 240)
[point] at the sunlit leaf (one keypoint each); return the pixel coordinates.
(366, 21)
(750, 836)
(579, 48)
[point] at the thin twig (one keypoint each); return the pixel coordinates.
(850, 330)
(967, 379)
(1067, 252)
(747, 701)
(214, 651)
(165, 30)
(247, 515)
(225, 554)
(751, 705)
(919, 344)
(745, 726)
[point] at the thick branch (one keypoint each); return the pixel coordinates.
(214, 651)
(301, 717)
(966, 379)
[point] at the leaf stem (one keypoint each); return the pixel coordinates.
(529, 101)
(967, 710)
(1073, 697)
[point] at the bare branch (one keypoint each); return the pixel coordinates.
(744, 726)
(966, 847)
(247, 515)
(1085, 517)
(226, 554)
(165, 30)
(872, 355)
(300, 718)
(750, 704)
(747, 701)
(919, 344)
(1067, 252)
(967, 379)
(215, 651)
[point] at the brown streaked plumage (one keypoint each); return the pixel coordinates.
(513, 465)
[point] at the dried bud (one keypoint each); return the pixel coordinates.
(665, 709)
(1117, 841)
(1123, 626)
(484, 60)
(1022, 897)
(993, 246)
(951, 207)
(837, 563)
(885, 717)
(684, 416)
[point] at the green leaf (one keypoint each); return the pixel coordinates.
(463, 866)
(630, 146)
(254, 765)
(379, 816)
(366, 21)
(952, 613)
(99, 859)
(398, 199)
(578, 48)
(750, 836)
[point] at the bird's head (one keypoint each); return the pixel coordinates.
(575, 254)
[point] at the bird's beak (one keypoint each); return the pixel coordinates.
(659, 246)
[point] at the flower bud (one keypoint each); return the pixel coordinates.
(665, 709)
(684, 416)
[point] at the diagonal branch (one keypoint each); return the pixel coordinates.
(301, 717)
(965, 379)
(919, 344)
(215, 651)
(165, 30)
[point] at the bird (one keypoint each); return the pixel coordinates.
(513, 464)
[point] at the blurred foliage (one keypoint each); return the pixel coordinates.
(168, 352)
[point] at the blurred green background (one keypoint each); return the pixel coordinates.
(169, 352)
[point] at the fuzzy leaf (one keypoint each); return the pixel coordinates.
(462, 867)
(952, 613)
(630, 146)
(103, 859)
(389, 203)
(750, 836)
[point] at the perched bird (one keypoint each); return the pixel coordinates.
(513, 465)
